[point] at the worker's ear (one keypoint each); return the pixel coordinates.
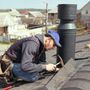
(46, 40)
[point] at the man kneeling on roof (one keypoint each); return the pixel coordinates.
(28, 55)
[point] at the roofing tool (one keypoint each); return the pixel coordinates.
(60, 60)
(58, 63)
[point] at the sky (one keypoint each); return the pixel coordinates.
(39, 4)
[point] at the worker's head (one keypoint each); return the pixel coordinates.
(51, 40)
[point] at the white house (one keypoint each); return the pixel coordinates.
(37, 16)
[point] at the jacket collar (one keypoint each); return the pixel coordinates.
(41, 38)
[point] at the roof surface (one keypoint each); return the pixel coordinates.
(75, 75)
(36, 13)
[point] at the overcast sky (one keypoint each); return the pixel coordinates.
(39, 4)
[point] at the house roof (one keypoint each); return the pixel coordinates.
(7, 18)
(2, 19)
(36, 14)
(87, 6)
(4, 10)
(24, 12)
(85, 10)
(53, 10)
(14, 12)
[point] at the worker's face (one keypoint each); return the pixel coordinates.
(49, 44)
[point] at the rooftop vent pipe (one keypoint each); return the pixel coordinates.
(67, 30)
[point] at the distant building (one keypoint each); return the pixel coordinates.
(10, 24)
(33, 17)
(53, 16)
(37, 16)
(3, 30)
(25, 13)
(85, 14)
(10, 18)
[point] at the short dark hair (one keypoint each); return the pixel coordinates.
(47, 35)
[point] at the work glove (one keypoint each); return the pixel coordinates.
(51, 67)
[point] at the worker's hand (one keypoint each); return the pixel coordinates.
(50, 67)
(57, 69)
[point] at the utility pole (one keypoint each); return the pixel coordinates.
(46, 18)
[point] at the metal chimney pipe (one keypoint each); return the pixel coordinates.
(67, 31)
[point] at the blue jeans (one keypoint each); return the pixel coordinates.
(26, 76)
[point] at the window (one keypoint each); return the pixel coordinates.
(86, 11)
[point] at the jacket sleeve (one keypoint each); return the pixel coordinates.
(29, 50)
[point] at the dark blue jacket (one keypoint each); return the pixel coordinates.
(29, 52)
